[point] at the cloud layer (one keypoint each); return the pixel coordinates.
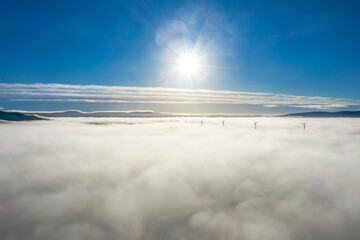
(155, 179)
(158, 95)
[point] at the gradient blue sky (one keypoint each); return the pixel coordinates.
(302, 49)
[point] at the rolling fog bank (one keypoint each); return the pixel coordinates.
(140, 178)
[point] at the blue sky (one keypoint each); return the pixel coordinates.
(301, 49)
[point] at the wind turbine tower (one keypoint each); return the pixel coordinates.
(255, 123)
(304, 124)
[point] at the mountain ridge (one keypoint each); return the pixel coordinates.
(17, 116)
(77, 113)
(347, 114)
(14, 115)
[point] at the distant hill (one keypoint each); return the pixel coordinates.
(144, 113)
(31, 116)
(76, 113)
(101, 114)
(346, 114)
(16, 116)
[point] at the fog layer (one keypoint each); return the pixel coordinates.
(158, 180)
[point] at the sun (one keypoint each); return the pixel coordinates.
(188, 64)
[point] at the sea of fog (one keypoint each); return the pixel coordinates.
(164, 179)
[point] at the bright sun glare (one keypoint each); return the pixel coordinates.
(188, 64)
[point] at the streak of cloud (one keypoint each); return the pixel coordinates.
(159, 95)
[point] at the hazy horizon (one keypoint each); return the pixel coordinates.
(89, 98)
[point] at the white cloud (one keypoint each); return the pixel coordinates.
(270, 105)
(322, 107)
(159, 95)
(157, 179)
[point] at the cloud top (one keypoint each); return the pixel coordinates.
(156, 179)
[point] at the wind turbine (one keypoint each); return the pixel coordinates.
(304, 124)
(255, 124)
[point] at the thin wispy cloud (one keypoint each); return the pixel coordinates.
(161, 95)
